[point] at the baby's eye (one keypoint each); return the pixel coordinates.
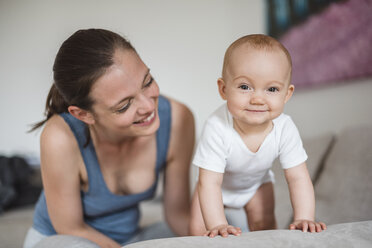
(273, 89)
(244, 87)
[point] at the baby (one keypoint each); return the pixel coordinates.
(242, 138)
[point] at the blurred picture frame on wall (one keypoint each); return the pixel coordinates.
(329, 40)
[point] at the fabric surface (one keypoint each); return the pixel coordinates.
(116, 216)
(157, 230)
(66, 241)
(357, 234)
(32, 238)
(344, 188)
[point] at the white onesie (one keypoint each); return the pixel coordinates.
(221, 149)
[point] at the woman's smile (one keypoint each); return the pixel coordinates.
(146, 121)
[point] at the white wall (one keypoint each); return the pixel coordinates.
(183, 43)
(333, 108)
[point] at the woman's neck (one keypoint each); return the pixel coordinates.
(111, 142)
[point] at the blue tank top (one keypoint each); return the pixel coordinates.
(116, 216)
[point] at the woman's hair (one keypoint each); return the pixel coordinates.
(81, 60)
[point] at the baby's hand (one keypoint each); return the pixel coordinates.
(305, 225)
(224, 231)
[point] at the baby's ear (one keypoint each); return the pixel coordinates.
(222, 88)
(81, 114)
(289, 92)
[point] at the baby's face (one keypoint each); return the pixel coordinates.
(256, 85)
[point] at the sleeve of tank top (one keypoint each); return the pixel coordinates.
(291, 150)
(211, 151)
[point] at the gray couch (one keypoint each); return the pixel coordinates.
(357, 234)
(341, 169)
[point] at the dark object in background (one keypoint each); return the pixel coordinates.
(16, 186)
(284, 14)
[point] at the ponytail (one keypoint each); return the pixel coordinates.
(55, 104)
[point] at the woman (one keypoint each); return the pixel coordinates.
(108, 133)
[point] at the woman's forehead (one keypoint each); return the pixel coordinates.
(122, 78)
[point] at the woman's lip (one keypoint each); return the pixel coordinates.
(146, 122)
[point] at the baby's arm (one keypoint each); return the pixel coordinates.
(211, 204)
(303, 200)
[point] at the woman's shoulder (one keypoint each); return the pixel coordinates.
(60, 157)
(182, 133)
(57, 133)
(59, 151)
(182, 116)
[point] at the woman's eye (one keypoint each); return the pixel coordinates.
(273, 89)
(148, 84)
(125, 107)
(244, 87)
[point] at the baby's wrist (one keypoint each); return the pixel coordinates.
(303, 219)
(217, 226)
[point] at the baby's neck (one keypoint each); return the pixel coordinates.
(247, 130)
(253, 135)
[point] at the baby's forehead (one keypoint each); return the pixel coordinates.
(248, 48)
(249, 52)
(254, 57)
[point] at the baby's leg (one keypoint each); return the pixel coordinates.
(197, 226)
(260, 209)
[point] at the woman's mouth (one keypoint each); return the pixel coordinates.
(146, 121)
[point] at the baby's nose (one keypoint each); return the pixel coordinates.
(257, 98)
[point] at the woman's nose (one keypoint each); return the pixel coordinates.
(145, 104)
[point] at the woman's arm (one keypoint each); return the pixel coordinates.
(60, 160)
(177, 184)
(303, 200)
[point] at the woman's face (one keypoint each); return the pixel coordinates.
(126, 98)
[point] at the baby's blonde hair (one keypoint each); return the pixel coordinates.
(256, 41)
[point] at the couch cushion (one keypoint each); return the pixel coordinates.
(342, 235)
(151, 212)
(316, 148)
(343, 191)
